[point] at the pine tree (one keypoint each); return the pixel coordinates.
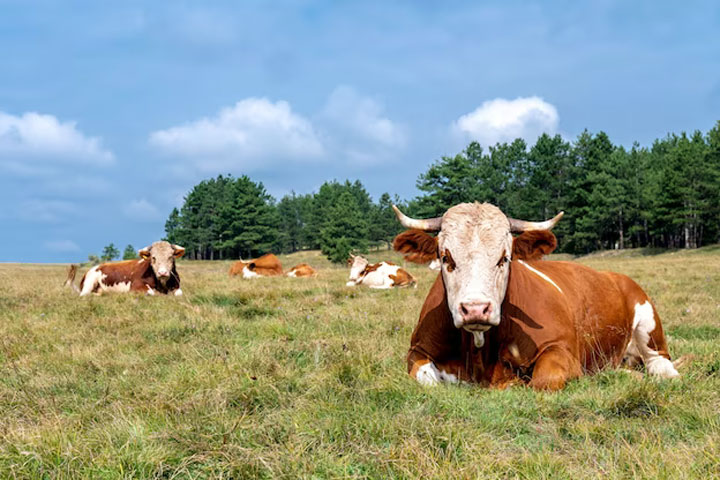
(383, 223)
(344, 229)
(129, 253)
(110, 253)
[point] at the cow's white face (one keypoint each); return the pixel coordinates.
(357, 265)
(475, 246)
(161, 256)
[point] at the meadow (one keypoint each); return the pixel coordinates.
(306, 378)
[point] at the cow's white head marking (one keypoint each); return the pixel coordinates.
(475, 247)
(161, 256)
(357, 265)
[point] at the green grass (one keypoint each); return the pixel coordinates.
(305, 378)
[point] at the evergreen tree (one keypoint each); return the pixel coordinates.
(383, 223)
(129, 253)
(293, 211)
(225, 217)
(447, 182)
(110, 253)
(344, 229)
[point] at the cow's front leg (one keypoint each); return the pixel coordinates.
(553, 368)
(428, 372)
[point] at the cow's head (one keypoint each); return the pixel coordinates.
(357, 264)
(475, 247)
(161, 256)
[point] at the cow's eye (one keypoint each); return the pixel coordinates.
(448, 261)
(503, 260)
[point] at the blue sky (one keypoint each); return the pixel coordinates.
(111, 111)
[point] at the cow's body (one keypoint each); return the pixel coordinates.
(154, 272)
(531, 320)
(301, 270)
(266, 266)
(583, 319)
(378, 275)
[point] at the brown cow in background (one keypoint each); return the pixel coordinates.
(302, 270)
(154, 272)
(266, 266)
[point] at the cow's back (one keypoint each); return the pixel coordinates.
(268, 265)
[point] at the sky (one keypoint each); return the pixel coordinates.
(111, 111)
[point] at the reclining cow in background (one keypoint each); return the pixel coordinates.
(301, 270)
(266, 266)
(154, 272)
(497, 315)
(378, 275)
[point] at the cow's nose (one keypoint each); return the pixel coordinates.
(475, 312)
(163, 273)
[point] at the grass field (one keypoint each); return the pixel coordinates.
(305, 378)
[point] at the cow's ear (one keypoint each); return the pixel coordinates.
(251, 266)
(533, 245)
(418, 246)
(178, 251)
(144, 253)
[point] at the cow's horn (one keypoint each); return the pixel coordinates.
(519, 226)
(427, 224)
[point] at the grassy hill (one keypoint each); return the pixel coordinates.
(305, 378)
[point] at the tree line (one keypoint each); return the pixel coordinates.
(666, 195)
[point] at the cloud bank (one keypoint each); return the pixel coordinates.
(258, 134)
(35, 138)
(248, 135)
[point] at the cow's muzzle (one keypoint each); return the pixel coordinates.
(477, 315)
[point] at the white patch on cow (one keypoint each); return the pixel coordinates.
(93, 279)
(178, 292)
(435, 264)
(380, 278)
(541, 275)
(429, 374)
(150, 291)
(350, 284)
(643, 325)
(292, 273)
(479, 338)
(247, 273)
(121, 287)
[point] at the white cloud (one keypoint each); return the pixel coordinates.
(143, 211)
(502, 120)
(251, 135)
(34, 138)
(361, 118)
(62, 246)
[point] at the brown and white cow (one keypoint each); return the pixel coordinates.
(154, 272)
(301, 270)
(498, 315)
(377, 275)
(266, 266)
